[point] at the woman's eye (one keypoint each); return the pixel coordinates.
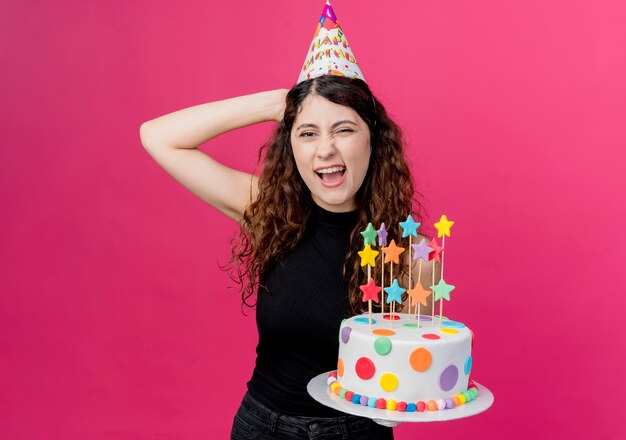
(311, 134)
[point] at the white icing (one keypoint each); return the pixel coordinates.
(413, 386)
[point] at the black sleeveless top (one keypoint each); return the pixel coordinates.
(298, 315)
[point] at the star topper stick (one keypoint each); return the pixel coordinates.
(370, 293)
(419, 294)
(368, 257)
(409, 228)
(435, 255)
(442, 289)
(392, 254)
(382, 241)
(432, 316)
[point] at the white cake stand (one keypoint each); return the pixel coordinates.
(319, 390)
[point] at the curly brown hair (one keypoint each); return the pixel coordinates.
(274, 223)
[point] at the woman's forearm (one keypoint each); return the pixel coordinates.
(191, 127)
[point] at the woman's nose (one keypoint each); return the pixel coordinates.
(326, 148)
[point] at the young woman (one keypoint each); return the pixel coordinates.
(334, 163)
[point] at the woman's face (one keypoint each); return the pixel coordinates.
(331, 145)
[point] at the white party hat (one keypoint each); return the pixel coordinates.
(329, 53)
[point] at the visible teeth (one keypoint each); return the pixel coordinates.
(331, 170)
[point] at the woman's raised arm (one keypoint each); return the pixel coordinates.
(172, 141)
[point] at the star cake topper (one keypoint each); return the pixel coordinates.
(382, 235)
(419, 295)
(421, 250)
(442, 290)
(392, 252)
(409, 227)
(369, 235)
(368, 256)
(443, 226)
(394, 292)
(437, 250)
(370, 291)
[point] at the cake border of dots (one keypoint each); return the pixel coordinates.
(420, 406)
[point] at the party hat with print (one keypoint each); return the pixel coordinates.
(329, 53)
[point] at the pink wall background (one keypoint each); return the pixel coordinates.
(115, 320)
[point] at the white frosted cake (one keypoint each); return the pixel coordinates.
(404, 367)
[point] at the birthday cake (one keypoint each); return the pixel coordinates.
(404, 368)
(404, 361)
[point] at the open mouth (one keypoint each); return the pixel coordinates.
(331, 175)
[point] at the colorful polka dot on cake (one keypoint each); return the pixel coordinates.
(420, 359)
(468, 365)
(388, 382)
(383, 332)
(345, 334)
(388, 317)
(382, 345)
(448, 378)
(453, 324)
(365, 368)
(449, 331)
